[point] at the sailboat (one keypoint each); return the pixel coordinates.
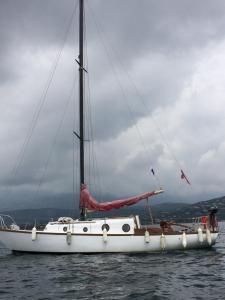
(102, 235)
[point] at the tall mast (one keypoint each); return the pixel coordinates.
(81, 94)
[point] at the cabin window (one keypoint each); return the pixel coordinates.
(126, 227)
(65, 229)
(85, 229)
(105, 226)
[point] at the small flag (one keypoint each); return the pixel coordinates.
(153, 172)
(183, 176)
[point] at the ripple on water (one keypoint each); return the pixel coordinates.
(197, 274)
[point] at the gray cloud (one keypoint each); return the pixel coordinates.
(172, 52)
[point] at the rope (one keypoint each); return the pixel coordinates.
(149, 212)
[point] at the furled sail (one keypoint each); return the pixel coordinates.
(89, 202)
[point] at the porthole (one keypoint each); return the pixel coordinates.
(105, 226)
(85, 229)
(65, 229)
(126, 227)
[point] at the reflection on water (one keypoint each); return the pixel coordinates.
(197, 274)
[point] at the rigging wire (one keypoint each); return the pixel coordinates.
(132, 115)
(75, 184)
(73, 158)
(140, 96)
(40, 105)
(93, 162)
(54, 141)
(163, 138)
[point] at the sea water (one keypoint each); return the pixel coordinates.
(192, 274)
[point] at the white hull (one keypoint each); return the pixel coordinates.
(46, 242)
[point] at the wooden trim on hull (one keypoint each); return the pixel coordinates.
(137, 232)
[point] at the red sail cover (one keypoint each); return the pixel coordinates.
(89, 202)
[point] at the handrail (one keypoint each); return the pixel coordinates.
(2, 221)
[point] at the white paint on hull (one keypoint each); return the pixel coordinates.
(82, 243)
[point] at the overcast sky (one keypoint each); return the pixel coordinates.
(156, 84)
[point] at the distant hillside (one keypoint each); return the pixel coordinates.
(202, 207)
(178, 212)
